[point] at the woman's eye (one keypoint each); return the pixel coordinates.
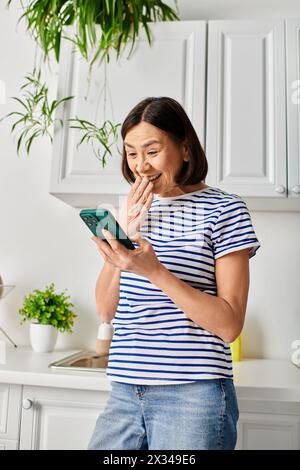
(153, 152)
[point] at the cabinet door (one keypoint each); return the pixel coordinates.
(173, 66)
(10, 411)
(259, 431)
(246, 115)
(8, 444)
(55, 418)
(293, 105)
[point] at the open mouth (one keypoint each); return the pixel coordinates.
(155, 178)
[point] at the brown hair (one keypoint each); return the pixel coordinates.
(168, 115)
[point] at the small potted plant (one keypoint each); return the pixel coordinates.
(49, 313)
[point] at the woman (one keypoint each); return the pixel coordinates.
(178, 299)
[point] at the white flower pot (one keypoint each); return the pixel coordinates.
(42, 337)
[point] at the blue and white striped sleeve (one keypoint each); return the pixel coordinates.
(233, 230)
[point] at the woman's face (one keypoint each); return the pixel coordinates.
(151, 152)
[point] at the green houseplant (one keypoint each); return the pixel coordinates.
(37, 113)
(49, 312)
(98, 28)
(119, 22)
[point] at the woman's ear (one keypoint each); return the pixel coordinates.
(185, 149)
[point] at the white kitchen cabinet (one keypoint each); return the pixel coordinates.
(293, 105)
(268, 425)
(55, 418)
(236, 85)
(59, 418)
(9, 444)
(173, 66)
(250, 115)
(10, 411)
(246, 117)
(46, 408)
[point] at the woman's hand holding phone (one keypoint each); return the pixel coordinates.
(142, 260)
(136, 206)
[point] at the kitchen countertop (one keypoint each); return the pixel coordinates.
(27, 367)
(276, 379)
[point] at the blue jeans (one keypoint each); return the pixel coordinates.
(199, 415)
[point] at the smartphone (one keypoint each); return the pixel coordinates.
(97, 219)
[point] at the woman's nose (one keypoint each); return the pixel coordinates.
(141, 167)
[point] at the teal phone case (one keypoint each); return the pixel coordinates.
(97, 219)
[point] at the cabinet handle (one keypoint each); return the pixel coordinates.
(296, 189)
(27, 404)
(280, 189)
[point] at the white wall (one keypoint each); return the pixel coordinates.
(42, 239)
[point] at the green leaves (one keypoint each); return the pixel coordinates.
(119, 22)
(48, 308)
(103, 137)
(100, 26)
(37, 114)
(36, 117)
(45, 21)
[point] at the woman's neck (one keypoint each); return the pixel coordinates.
(178, 190)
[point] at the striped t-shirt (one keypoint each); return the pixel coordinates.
(154, 342)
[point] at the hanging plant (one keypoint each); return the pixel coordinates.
(105, 136)
(36, 114)
(100, 138)
(99, 27)
(119, 21)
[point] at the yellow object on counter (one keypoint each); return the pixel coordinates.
(236, 349)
